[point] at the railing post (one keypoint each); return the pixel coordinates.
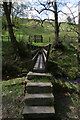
(48, 52)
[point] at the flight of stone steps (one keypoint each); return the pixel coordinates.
(39, 100)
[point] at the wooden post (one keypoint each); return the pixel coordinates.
(49, 39)
(48, 52)
(41, 38)
(34, 38)
(2, 38)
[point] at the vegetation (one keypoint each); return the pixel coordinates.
(65, 57)
(63, 62)
(66, 101)
(12, 98)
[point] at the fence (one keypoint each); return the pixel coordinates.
(19, 37)
(39, 38)
(5, 37)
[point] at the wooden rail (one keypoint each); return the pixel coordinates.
(40, 59)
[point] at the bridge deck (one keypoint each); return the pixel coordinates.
(39, 65)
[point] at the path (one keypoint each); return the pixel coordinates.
(39, 100)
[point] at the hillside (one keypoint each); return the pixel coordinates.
(65, 59)
(26, 27)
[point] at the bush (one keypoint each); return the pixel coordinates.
(23, 50)
(10, 69)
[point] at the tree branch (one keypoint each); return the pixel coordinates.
(44, 10)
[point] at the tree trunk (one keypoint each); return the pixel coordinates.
(7, 10)
(56, 23)
(78, 49)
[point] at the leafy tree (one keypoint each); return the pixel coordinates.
(18, 10)
(7, 9)
(69, 20)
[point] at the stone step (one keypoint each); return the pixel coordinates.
(32, 75)
(39, 87)
(39, 99)
(38, 112)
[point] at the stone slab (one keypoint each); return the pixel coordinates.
(43, 84)
(39, 87)
(38, 112)
(39, 99)
(32, 75)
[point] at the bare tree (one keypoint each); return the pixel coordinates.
(52, 7)
(55, 6)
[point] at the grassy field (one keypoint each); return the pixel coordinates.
(66, 101)
(66, 58)
(31, 27)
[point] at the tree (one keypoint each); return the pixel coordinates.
(7, 9)
(78, 49)
(18, 10)
(52, 7)
(69, 20)
(55, 6)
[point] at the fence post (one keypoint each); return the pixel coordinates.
(41, 38)
(34, 38)
(49, 39)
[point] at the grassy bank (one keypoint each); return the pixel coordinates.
(66, 101)
(12, 98)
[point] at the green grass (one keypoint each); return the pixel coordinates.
(12, 97)
(66, 84)
(66, 102)
(66, 59)
(44, 79)
(31, 27)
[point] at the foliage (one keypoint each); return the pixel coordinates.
(69, 19)
(66, 101)
(65, 60)
(44, 79)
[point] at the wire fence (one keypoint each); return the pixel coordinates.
(39, 38)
